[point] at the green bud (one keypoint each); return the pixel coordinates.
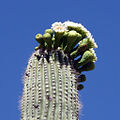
(46, 36)
(47, 39)
(50, 31)
(72, 39)
(38, 47)
(80, 87)
(81, 78)
(58, 37)
(87, 56)
(78, 29)
(72, 36)
(79, 37)
(89, 43)
(73, 54)
(53, 39)
(83, 45)
(63, 40)
(87, 67)
(39, 38)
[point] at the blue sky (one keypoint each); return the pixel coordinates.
(19, 23)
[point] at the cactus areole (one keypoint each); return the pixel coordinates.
(54, 72)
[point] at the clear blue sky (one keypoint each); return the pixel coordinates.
(20, 20)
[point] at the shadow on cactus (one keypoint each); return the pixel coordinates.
(54, 72)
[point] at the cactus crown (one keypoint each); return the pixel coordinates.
(74, 40)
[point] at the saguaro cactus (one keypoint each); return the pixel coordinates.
(54, 74)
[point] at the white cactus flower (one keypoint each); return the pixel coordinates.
(73, 24)
(59, 27)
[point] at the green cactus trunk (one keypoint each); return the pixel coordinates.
(50, 87)
(53, 76)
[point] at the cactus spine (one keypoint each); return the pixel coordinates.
(52, 76)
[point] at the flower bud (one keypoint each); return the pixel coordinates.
(50, 31)
(83, 45)
(88, 56)
(64, 40)
(87, 67)
(78, 29)
(47, 39)
(81, 78)
(80, 87)
(72, 39)
(39, 38)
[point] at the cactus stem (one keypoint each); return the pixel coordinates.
(53, 74)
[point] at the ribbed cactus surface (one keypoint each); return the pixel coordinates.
(50, 89)
(53, 75)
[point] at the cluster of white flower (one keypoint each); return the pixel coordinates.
(69, 23)
(88, 34)
(61, 27)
